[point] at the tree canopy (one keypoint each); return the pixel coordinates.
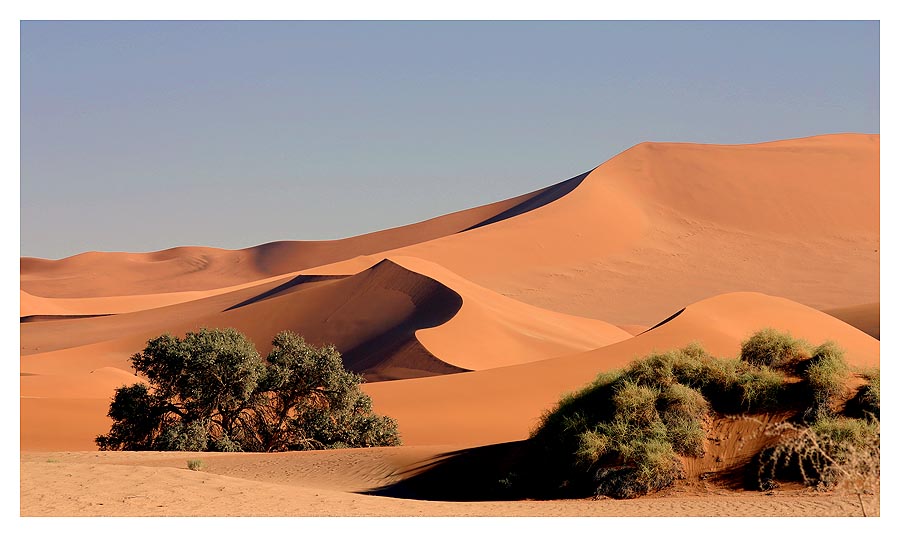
(212, 391)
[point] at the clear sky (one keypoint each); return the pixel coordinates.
(140, 136)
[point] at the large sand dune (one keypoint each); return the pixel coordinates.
(469, 326)
(664, 225)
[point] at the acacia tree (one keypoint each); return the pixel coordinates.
(213, 391)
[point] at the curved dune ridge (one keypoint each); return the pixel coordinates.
(794, 218)
(398, 319)
(200, 268)
(504, 404)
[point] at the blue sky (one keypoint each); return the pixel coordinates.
(139, 136)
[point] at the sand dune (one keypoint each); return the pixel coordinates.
(663, 225)
(200, 268)
(38, 308)
(503, 404)
(401, 318)
(866, 317)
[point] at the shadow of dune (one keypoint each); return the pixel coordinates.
(549, 195)
(474, 474)
(275, 291)
(664, 321)
(396, 353)
(44, 318)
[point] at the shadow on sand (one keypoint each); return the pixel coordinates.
(474, 474)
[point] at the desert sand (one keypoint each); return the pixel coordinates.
(467, 326)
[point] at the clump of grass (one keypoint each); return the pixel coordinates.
(772, 348)
(826, 375)
(867, 401)
(194, 464)
(635, 403)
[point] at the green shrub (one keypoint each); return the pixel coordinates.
(772, 348)
(636, 404)
(761, 388)
(194, 464)
(212, 391)
(622, 435)
(826, 374)
(867, 401)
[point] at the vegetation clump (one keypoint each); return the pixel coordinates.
(867, 401)
(772, 348)
(625, 434)
(211, 391)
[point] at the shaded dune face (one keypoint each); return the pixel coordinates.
(866, 317)
(388, 321)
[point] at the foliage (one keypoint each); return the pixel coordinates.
(212, 391)
(194, 464)
(772, 348)
(624, 433)
(826, 375)
(824, 455)
(867, 401)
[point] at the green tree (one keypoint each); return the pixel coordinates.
(213, 391)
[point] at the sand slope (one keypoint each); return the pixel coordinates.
(662, 225)
(504, 404)
(319, 484)
(200, 268)
(401, 318)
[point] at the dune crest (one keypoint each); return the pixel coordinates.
(193, 268)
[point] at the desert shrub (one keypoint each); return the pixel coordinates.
(636, 404)
(760, 388)
(212, 391)
(824, 455)
(826, 375)
(626, 429)
(622, 434)
(195, 464)
(772, 348)
(652, 466)
(867, 401)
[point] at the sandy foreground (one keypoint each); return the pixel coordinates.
(317, 484)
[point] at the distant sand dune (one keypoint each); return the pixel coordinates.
(200, 268)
